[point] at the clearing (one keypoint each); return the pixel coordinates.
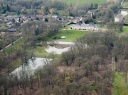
(125, 30)
(71, 35)
(120, 87)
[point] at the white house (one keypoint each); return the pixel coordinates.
(124, 13)
(54, 16)
(84, 26)
(119, 18)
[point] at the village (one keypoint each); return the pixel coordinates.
(10, 24)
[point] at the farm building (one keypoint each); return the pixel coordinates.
(84, 26)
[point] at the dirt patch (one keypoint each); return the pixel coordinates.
(60, 46)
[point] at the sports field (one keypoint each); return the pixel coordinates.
(71, 35)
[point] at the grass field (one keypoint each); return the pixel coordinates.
(12, 49)
(71, 35)
(83, 1)
(120, 87)
(125, 0)
(40, 52)
(125, 4)
(125, 30)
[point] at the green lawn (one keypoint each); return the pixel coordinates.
(83, 1)
(12, 49)
(71, 35)
(125, 4)
(125, 30)
(62, 12)
(120, 87)
(40, 52)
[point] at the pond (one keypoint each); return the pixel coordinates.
(29, 68)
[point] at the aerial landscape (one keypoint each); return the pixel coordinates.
(63, 47)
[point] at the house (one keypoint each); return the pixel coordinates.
(9, 24)
(77, 20)
(12, 30)
(124, 13)
(60, 18)
(125, 20)
(9, 18)
(54, 16)
(74, 20)
(119, 18)
(84, 26)
(92, 12)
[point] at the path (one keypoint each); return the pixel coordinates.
(10, 44)
(122, 2)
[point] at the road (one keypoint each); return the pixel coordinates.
(122, 2)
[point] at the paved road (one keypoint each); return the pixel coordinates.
(122, 2)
